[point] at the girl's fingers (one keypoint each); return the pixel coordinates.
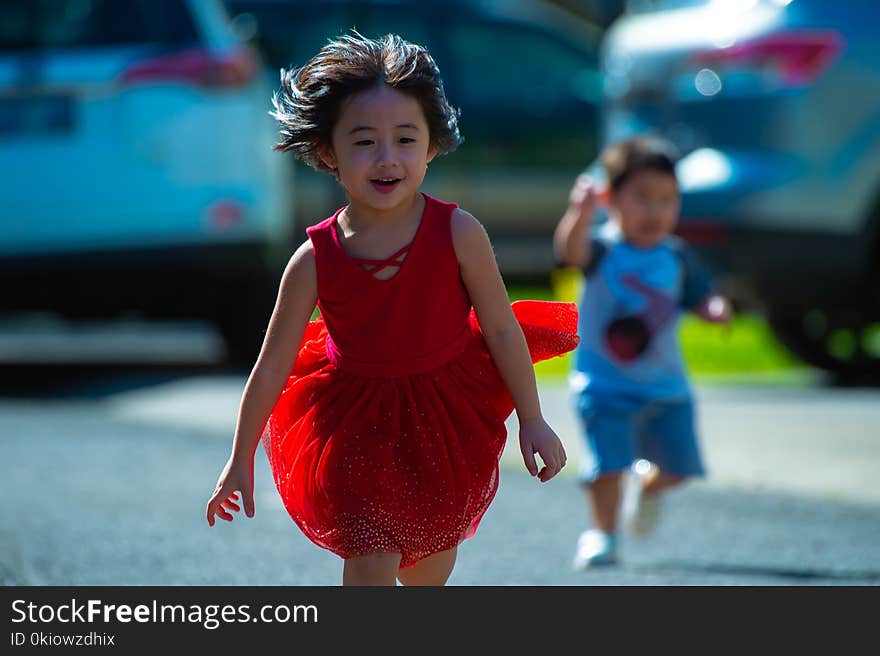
(528, 456)
(248, 498)
(547, 473)
(218, 504)
(211, 508)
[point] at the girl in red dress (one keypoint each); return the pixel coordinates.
(384, 428)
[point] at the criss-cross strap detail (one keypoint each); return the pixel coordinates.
(375, 266)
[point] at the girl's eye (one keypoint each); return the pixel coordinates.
(407, 140)
(364, 142)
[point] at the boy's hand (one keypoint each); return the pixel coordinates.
(716, 309)
(235, 476)
(584, 196)
(535, 436)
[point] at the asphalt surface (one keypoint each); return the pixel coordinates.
(107, 472)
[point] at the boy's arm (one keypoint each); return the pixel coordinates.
(506, 342)
(571, 242)
(698, 294)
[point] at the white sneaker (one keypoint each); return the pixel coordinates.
(594, 548)
(640, 512)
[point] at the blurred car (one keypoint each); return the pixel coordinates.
(775, 105)
(524, 74)
(138, 172)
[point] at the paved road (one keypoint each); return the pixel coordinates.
(107, 473)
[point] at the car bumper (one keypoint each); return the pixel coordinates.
(183, 282)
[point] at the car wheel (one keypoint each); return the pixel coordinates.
(843, 346)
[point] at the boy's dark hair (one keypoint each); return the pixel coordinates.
(623, 159)
(308, 103)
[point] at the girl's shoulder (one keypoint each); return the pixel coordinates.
(303, 258)
(470, 239)
(466, 229)
(464, 225)
(300, 274)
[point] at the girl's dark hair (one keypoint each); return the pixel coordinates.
(623, 159)
(308, 104)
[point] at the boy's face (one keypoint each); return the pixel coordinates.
(646, 207)
(381, 148)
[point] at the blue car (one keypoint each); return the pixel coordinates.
(775, 107)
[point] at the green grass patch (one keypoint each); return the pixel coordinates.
(745, 347)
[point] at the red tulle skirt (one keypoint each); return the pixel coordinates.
(405, 464)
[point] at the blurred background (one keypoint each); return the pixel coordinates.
(145, 222)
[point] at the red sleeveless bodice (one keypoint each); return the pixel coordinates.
(410, 323)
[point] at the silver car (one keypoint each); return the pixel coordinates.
(775, 105)
(138, 172)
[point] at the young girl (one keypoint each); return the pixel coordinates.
(384, 428)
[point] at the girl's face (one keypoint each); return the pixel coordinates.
(646, 207)
(380, 149)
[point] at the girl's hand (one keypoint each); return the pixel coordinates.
(236, 475)
(535, 436)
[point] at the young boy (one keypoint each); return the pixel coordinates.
(630, 386)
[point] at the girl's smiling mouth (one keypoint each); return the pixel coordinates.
(385, 185)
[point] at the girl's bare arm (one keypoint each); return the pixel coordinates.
(297, 296)
(505, 341)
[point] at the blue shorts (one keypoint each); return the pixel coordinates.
(618, 430)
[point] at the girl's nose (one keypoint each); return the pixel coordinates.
(385, 155)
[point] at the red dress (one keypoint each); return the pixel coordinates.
(387, 435)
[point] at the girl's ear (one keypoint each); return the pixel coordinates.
(327, 156)
(604, 196)
(432, 153)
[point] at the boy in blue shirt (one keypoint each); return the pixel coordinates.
(629, 381)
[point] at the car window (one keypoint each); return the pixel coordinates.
(289, 36)
(526, 99)
(519, 68)
(27, 25)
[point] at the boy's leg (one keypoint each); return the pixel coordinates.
(669, 452)
(603, 498)
(607, 452)
(375, 569)
(433, 570)
(667, 437)
(657, 480)
(598, 545)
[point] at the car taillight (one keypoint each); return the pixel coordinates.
(196, 66)
(795, 58)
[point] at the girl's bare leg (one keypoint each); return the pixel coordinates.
(375, 569)
(433, 570)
